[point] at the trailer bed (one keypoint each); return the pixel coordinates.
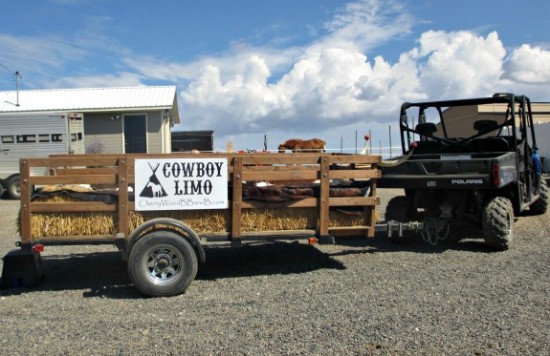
(326, 178)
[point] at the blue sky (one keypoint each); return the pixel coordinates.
(332, 69)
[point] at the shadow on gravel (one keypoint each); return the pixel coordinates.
(104, 274)
(382, 244)
(263, 259)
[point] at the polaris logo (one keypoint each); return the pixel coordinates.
(466, 181)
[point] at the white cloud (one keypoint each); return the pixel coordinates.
(97, 81)
(329, 82)
(30, 53)
(364, 24)
(460, 64)
(530, 65)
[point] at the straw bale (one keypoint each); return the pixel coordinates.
(202, 221)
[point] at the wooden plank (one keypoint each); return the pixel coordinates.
(355, 174)
(281, 168)
(74, 179)
(69, 207)
(85, 171)
(281, 175)
(311, 203)
(280, 158)
(74, 160)
(302, 203)
(355, 159)
(354, 201)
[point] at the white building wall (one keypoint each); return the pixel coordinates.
(542, 131)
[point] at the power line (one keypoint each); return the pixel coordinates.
(6, 68)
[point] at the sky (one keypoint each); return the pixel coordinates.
(281, 69)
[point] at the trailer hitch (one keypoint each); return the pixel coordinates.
(432, 230)
(399, 227)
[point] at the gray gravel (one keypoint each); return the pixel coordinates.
(358, 297)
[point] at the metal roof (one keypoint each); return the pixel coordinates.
(89, 99)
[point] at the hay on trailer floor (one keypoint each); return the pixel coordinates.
(202, 221)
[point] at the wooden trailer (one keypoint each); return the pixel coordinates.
(161, 209)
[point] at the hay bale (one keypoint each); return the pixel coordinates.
(202, 221)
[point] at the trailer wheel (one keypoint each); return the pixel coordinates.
(498, 223)
(13, 187)
(541, 205)
(162, 263)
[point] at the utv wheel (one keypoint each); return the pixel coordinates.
(13, 188)
(498, 223)
(399, 209)
(540, 206)
(162, 263)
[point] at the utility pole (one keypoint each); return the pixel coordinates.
(18, 77)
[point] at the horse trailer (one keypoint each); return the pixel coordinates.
(35, 135)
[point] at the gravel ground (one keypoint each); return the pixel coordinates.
(357, 297)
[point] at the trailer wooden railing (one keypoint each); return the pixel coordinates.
(117, 172)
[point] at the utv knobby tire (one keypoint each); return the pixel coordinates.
(498, 223)
(399, 209)
(540, 206)
(162, 264)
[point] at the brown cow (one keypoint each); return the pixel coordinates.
(297, 145)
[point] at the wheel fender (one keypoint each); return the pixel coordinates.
(190, 235)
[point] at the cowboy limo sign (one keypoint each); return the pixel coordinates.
(181, 184)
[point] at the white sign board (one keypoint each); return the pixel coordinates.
(181, 184)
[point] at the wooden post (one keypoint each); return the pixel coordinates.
(324, 197)
(371, 216)
(123, 195)
(24, 174)
(236, 201)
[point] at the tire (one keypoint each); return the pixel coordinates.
(399, 209)
(13, 187)
(162, 263)
(540, 206)
(2, 189)
(498, 223)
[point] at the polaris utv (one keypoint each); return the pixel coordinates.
(465, 161)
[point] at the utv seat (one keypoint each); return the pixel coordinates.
(426, 129)
(484, 126)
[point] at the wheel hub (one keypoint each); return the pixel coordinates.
(163, 265)
(162, 262)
